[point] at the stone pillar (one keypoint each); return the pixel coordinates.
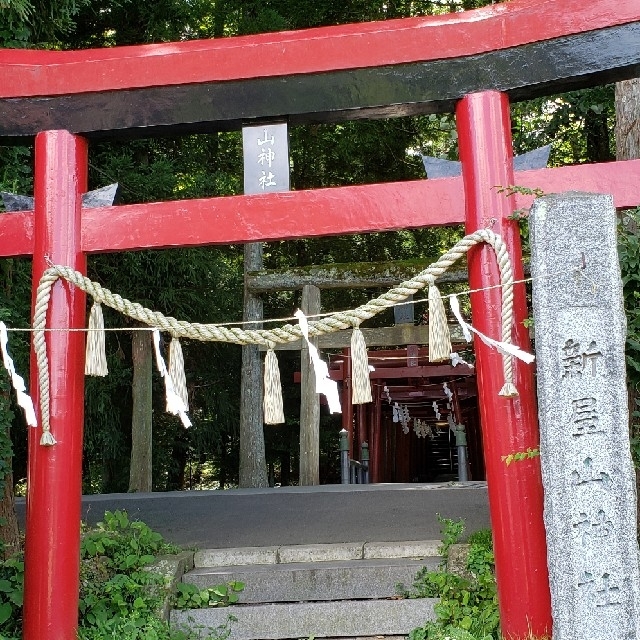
(588, 475)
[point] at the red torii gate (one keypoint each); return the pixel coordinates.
(472, 62)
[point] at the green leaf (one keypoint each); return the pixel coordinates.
(5, 612)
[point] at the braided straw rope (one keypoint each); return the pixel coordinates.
(281, 335)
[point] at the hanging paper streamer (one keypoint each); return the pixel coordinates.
(324, 384)
(396, 412)
(176, 371)
(404, 418)
(505, 348)
(175, 405)
(456, 359)
(447, 391)
(436, 410)
(24, 400)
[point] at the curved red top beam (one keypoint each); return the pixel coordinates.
(375, 44)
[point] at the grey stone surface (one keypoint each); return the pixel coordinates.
(296, 515)
(320, 619)
(172, 568)
(321, 552)
(589, 482)
(457, 558)
(407, 549)
(236, 556)
(314, 581)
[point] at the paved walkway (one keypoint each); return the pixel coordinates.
(298, 515)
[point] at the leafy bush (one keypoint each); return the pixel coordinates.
(120, 597)
(11, 594)
(468, 607)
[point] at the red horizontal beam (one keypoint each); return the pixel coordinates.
(299, 214)
(275, 216)
(375, 44)
(16, 234)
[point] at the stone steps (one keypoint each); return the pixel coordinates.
(315, 581)
(343, 590)
(346, 618)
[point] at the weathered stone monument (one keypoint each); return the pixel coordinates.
(588, 476)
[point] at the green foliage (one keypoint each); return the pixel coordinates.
(517, 456)
(451, 531)
(629, 253)
(468, 606)
(189, 596)
(11, 595)
(119, 596)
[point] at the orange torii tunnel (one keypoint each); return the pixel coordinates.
(474, 63)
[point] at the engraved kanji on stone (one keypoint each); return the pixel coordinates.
(605, 591)
(266, 156)
(267, 180)
(267, 140)
(585, 416)
(597, 528)
(576, 360)
(588, 475)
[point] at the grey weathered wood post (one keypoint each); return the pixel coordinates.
(266, 168)
(588, 475)
(309, 400)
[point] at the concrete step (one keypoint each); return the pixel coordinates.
(315, 553)
(313, 581)
(344, 619)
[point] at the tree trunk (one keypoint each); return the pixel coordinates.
(309, 402)
(628, 148)
(140, 476)
(253, 464)
(9, 534)
(628, 119)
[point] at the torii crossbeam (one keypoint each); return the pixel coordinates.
(473, 62)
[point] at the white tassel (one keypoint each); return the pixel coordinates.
(509, 390)
(47, 439)
(272, 402)
(360, 384)
(95, 363)
(439, 337)
(176, 371)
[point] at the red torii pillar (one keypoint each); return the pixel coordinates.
(508, 424)
(52, 558)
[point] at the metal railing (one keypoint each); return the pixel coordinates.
(353, 471)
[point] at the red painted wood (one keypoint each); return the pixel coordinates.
(47, 73)
(52, 553)
(16, 234)
(508, 424)
(322, 212)
(295, 214)
(341, 210)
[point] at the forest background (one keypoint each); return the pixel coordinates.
(206, 284)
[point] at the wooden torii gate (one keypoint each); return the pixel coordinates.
(472, 62)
